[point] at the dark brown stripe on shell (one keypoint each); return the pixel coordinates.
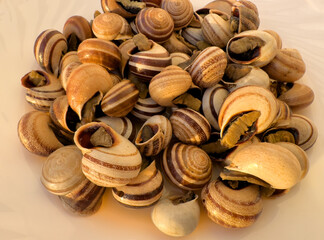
(45, 37)
(145, 182)
(52, 51)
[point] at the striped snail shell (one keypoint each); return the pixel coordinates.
(187, 166)
(181, 12)
(192, 35)
(116, 6)
(209, 67)
(101, 52)
(36, 135)
(155, 23)
(41, 97)
(69, 57)
(190, 126)
(49, 47)
(212, 101)
(111, 26)
(120, 99)
(111, 166)
(179, 57)
(232, 208)
(161, 136)
(146, 64)
(125, 49)
(143, 191)
(79, 26)
(65, 74)
(146, 108)
(276, 36)
(298, 95)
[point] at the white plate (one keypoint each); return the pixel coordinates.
(27, 211)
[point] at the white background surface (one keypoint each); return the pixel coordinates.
(28, 212)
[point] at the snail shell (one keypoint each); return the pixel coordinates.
(287, 66)
(49, 47)
(125, 49)
(169, 84)
(152, 3)
(212, 101)
(155, 23)
(173, 44)
(79, 26)
(146, 108)
(284, 113)
(111, 26)
(111, 166)
(209, 67)
(276, 36)
(232, 208)
(143, 191)
(298, 96)
(120, 99)
(181, 12)
(99, 51)
(187, 166)
(222, 6)
(190, 126)
(192, 35)
(65, 74)
(178, 57)
(69, 57)
(116, 7)
(36, 135)
(42, 97)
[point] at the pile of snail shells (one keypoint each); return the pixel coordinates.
(207, 87)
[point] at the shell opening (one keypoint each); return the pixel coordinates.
(148, 132)
(34, 79)
(281, 135)
(189, 196)
(245, 48)
(73, 42)
(131, 6)
(85, 136)
(235, 72)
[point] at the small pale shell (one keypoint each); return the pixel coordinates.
(146, 108)
(298, 96)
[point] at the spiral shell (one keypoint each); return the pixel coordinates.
(232, 208)
(79, 26)
(120, 99)
(190, 126)
(146, 108)
(298, 96)
(49, 47)
(42, 97)
(181, 12)
(101, 52)
(143, 191)
(69, 57)
(65, 74)
(36, 135)
(155, 23)
(122, 126)
(178, 57)
(115, 7)
(192, 35)
(223, 7)
(111, 166)
(209, 67)
(187, 166)
(111, 26)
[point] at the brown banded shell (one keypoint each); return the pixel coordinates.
(146, 108)
(169, 84)
(65, 74)
(84, 82)
(41, 97)
(178, 57)
(212, 101)
(69, 57)
(189, 126)
(111, 166)
(101, 52)
(36, 134)
(49, 47)
(111, 26)
(120, 99)
(222, 6)
(116, 6)
(78, 26)
(125, 49)
(192, 35)
(187, 166)
(284, 113)
(287, 66)
(143, 191)
(216, 31)
(146, 64)
(232, 208)
(181, 12)
(152, 3)
(298, 95)
(155, 23)
(209, 67)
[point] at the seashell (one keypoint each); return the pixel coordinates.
(280, 132)
(41, 97)
(298, 95)
(146, 108)
(232, 208)
(276, 36)
(122, 126)
(254, 47)
(169, 84)
(152, 3)
(192, 35)
(216, 31)
(69, 57)
(209, 67)
(49, 47)
(222, 6)
(173, 44)
(190, 126)
(284, 113)
(155, 23)
(125, 48)
(116, 6)
(111, 166)
(212, 101)
(84, 82)
(196, 21)
(160, 136)
(120, 99)
(181, 12)
(178, 57)
(187, 166)
(146, 64)
(287, 66)
(65, 74)
(101, 52)
(36, 134)
(111, 26)
(269, 164)
(145, 190)
(177, 216)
